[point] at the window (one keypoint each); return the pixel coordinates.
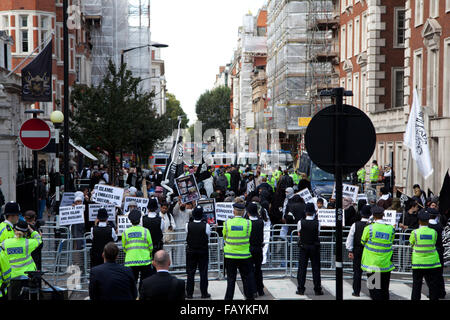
(434, 8)
(153, 72)
(446, 85)
(357, 33)
(364, 32)
(417, 72)
(398, 89)
(447, 5)
(261, 31)
(399, 25)
(45, 26)
(25, 41)
(363, 92)
(58, 42)
(24, 36)
(343, 35)
(350, 40)
(4, 23)
(24, 21)
(349, 100)
(433, 80)
(343, 5)
(356, 90)
(78, 69)
(418, 17)
(399, 162)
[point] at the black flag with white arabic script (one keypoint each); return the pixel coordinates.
(37, 77)
(176, 164)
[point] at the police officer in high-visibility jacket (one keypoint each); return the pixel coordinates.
(425, 258)
(361, 178)
(137, 245)
(236, 235)
(12, 212)
(5, 275)
(374, 174)
(377, 239)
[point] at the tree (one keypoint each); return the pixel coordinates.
(115, 116)
(213, 109)
(173, 111)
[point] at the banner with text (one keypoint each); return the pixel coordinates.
(67, 199)
(107, 194)
(110, 208)
(306, 195)
(348, 191)
(327, 217)
(141, 204)
(71, 215)
(122, 224)
(224, 210)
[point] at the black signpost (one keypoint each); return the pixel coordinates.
(340, 139)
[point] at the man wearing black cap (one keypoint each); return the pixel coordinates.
(436, 225)
(12, 212)
(425, 258)
(256, 246)
(153, 222)
(198, 232)
(101, 234)
(309, 243)
(236, 235)
(355, 248)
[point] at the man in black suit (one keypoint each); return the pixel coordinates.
(112, 281)
(162, 285)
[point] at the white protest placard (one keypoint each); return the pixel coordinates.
(141, 204)
(362, 196)
(327, 217)
(71, 215)
(348, 191)
(110, 208)
(108, 195)
(224, 210)
(67, 199)
(306, 195)
(390, 217)
(122, 224)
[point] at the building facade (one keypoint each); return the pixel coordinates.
(158, 81)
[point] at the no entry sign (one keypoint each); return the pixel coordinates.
(35, 134)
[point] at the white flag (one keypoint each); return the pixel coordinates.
(416, 139)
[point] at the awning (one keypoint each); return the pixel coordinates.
(83, 150)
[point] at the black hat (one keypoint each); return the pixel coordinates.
(377, 210)
(424, 215)
(12, 208)
(21, 226)
(152, 204)
(433, 212)
(310, 208)
(240, 206)
(252, 209)
(365, 211)
(197, 213)
(134, 216)
(102, 214)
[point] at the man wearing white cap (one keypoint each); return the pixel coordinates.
(78, 229)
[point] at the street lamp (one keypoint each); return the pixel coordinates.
(154, 44)
(57, 118)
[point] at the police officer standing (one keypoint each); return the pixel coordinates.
(425, 258)
(256, 246)
(436, 225)
(12, 212)
(5, 275)
(355, 248)
(198, 232)
(153, 222)
(308, 231)
(137, 245)
(101, 234)
(376, 260)
(361, 178)
(374, 174)
(236, 235)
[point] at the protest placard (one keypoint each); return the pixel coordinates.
(390, 217)
(108, 195)
(141, 204)
(67, 199)
(209, 210)
(123, 223)
(187, 188)
(327, 217)
(306, 195)
(110, 208)
(71, 215)
(348, 191)
(224, 210)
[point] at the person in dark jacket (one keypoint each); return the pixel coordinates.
(111, 281)
(153, 222)
(355, 248)
(101, 234)
(162, 286)
(349, 212)
(295, 211)
(198, 232)
(385, 200)
(408, 219)
(256, 247)
(30, 218)
(434, 224)
(235, 179)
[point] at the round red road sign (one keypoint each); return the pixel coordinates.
(35, 134)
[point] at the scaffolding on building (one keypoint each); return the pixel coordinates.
(116, 25)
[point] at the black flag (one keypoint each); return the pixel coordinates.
(37, 77)
(444, 196)
(176, 164)
(202, 172)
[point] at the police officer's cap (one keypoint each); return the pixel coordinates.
(424, 215)
(12, 208)
(365, 211)
(310, 208)
(239, 206)
(134, 216)
(252, 209)
(433, 212)
(102, 214)
(152, 204)
(197, 213)
(21, 226)
(377, 210)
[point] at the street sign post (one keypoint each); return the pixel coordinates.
(35, 134)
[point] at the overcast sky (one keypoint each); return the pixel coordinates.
(202, 35)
